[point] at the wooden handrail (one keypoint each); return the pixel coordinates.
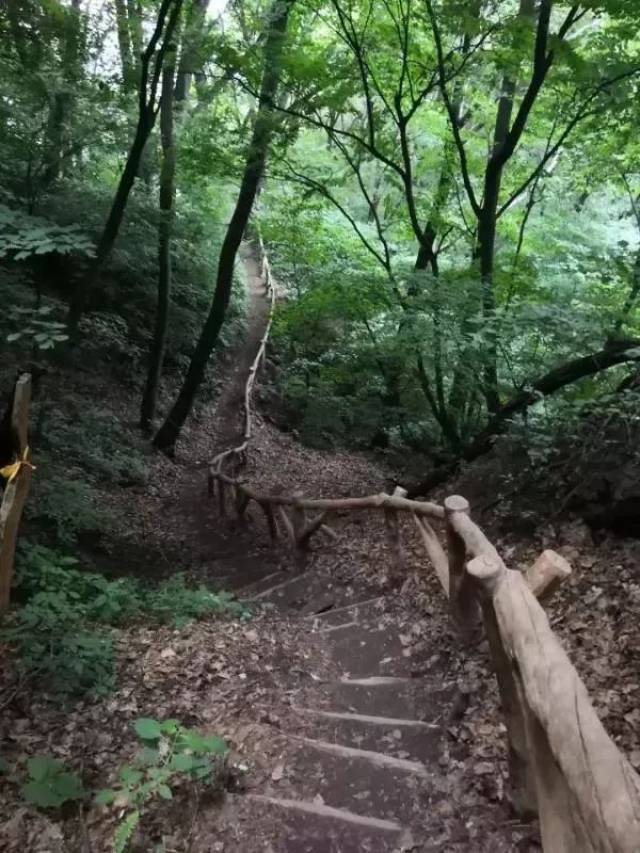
(17, 488)
(564, 767)
(587, 793)
(239, 451)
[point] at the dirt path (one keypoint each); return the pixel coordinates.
(358, 753)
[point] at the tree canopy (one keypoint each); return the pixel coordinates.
(449, 191)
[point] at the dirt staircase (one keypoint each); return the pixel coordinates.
(358, 760)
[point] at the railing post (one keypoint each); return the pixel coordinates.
(392, 526)
(298, 515)
(489, 573)
(16, 490)
(462, 600)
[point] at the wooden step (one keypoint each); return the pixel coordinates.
(260, 823)
(401, 697)
(416, 740)
(360, 781)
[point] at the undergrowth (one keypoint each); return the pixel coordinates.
(60, 630)
(170, 756)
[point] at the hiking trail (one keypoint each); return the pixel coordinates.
(360, 758)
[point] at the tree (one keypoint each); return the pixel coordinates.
(167, 193)
(256, 157)
(148, 108)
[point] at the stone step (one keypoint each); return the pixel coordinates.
(258, 823)
(355, 611)
(285, 593)
(360, 651)
(314, 597)
(235, 572)
(262, 584)
(414, 698)
(393, 736)
(364, 782)
(331, 628)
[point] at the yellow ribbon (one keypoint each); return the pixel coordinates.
(10, 472)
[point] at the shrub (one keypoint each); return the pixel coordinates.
(49, 783)
(51, 643)
(54, 631)
(170, 752)
(174, 601)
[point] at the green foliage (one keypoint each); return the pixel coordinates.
(170, 754)
(52, 644)
(49, 784)
(56, 634)
(37, 326)
(174, 601)
(68, 507)
(22, 236)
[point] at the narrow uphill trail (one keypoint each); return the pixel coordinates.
(358, 752)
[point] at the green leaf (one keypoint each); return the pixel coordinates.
(202, 772)
(41, 766)
(165, 792)
(148, 756)
(170, 726)
(125, 831)
(214, 744)
(105, 796)
(41, 794)
(68, 786)
(182, 762)
(130, 776)
(148, 728)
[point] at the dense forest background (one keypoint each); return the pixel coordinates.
(449, 196)
(449, 192)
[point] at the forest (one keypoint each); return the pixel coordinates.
(316, 250)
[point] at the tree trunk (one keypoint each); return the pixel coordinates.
(254, 167)
(190, 60)
(127, 57)
(556, 379)
(114, 221)
(167, 193)
(147, 111)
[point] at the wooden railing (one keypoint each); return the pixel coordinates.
(18, 477)
(237, 454)
(563, 765)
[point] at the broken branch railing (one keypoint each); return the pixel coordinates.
(238, 453)
(563, 765)
(18, 477)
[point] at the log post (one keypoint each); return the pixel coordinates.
(298, 516)
(16, 490)
(288, 526)
(222, 497)
(271, 519)
(547, 573)
(242, 502)
(434, 551)
(490, 573)
(462, 600)
(392, 526)
(310, 528)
